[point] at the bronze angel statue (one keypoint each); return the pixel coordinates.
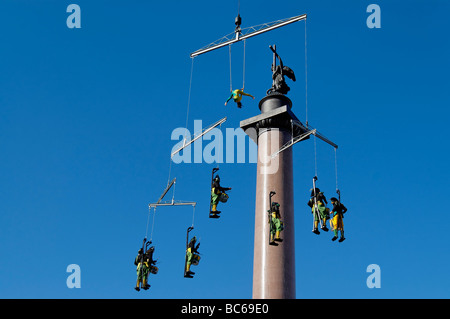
(278, 72)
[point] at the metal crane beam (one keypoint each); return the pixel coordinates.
(294, 141)
(316, 134)
(198, 136)
(172, 203)
(246, 33)
(308, 131)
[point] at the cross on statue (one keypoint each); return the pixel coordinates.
(279, 85)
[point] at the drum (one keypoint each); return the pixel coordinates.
(223, 197)
(154, 270)
(195, 259)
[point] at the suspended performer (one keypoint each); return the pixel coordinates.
(319, 210)
(217, 195)
(192, 257)
(145, 264)
(141, 271)
(236, 95)
(337, 215)
(276, 224)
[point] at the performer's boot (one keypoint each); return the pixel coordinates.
(214, 212)
(271, 241)
(214, 209)
(188, 273)
(335, 235)
(342, 237)
(277, 236)
(145, 285)
(324, 226)
(315, 230)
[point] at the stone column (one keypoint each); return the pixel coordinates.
(274, 266)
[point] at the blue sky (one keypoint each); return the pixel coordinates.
(86, 117)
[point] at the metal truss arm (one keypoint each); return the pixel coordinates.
(247, 33)
(172, 203)
(316, 134)
(294, 141)
(307, 131)
(198, 136)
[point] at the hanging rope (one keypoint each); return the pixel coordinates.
(315, 156)
(243, 71)
(292, 132)
(193, 215)
(306, 78)
(335, 168)
(153, 224)
(189, 99)
(220, 145)
(229, 54)
(231, 66)
(148, 221)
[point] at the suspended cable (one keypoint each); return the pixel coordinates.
(189, 99)
(315, 156)
(220, 146)
(170, 169)
(193, 215)
(292, 132)
(306, 79)
(148, 221)
(335, 168)
(243, 71)
(153, 223)
(229, 54)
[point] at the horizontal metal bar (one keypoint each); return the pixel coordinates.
(294, 141)
(323, 138)
(240, 37)
(197, 137)
(172, 203)
(316, 134)
(282, 24)
(201, 51)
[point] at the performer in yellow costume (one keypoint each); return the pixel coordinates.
(236, 95)
(192, 257)
(276, 224)
(337, 221)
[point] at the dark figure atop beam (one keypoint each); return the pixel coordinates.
(279, 85)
